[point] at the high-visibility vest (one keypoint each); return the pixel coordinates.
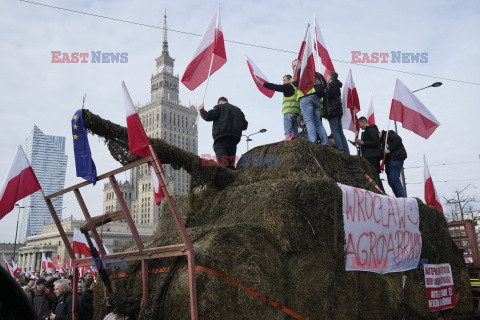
(300, 93)
(474, 282)
(291, 104)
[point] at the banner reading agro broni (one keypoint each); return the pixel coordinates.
(381, 232)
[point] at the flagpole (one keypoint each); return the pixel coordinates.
(315, 46)
(211, 61)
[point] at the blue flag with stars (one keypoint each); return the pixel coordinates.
(83, 156)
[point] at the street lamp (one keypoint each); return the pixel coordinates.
(402, 174)
(16, 230)
(248, 136)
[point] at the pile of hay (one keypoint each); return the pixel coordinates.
(274, 234)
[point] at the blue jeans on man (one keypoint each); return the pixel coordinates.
(393, 168)
(310, 106)
(290, 124)
(338, 136)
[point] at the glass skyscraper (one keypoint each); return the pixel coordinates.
(49, 162)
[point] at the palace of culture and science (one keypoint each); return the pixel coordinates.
(164, 117)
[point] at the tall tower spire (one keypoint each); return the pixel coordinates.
(165, 42)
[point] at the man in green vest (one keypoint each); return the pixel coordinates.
(290, 105)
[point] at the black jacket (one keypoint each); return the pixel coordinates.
(63, 310)
(395, 145)
(371, 143)
(86, 305)
(42, 303)
(228, 120)
(334, 98)
(287, 89)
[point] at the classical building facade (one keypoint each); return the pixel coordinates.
(46, 154)
(115, 236)
(166, 118)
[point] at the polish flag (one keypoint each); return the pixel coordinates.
(51, 265)
(139, 143)
(371, 112)
(60, 268)
(411, 112)
(431, 196)
(7, 266)
(321, 48)
(210, 55)
(80, 244)
(19, 183)
(47, 265)
(304, 42)
(350, 105)
(257, 73)
(307, 73)
(15, 269)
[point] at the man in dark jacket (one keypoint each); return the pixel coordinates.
(335, 111)
(228, 124)
(63, 310)
(86, 302)
(395, 155)
(370, 146)
(290, 105)
(42, 303)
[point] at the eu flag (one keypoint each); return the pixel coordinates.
(83, 157)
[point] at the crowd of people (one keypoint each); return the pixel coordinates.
(302, 116)
(51, 294)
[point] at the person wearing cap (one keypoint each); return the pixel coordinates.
(42, 303)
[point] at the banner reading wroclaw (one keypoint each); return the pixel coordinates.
(439, 286)
(381, 232)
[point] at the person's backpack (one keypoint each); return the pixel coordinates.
(332, 108)
(320, 86)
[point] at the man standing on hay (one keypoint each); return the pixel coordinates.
(395, 156)
(290, 105)
(228, 124)
(370, 146)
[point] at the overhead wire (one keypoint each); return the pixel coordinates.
(239, 42)
(444, 164)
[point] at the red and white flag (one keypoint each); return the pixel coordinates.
(411, 112)
(15, 269)
(326, 66)
(7, 266)
(210, 52)
(307, 73)
(257, 73)
(138, 141)
(80, 244)
(431, 196)
(47, 265)
(304, 43)
(60, 268)
(371, 112)
(350, 105)
(19, 183)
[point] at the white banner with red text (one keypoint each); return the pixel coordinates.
(439, 286)
(381, 232)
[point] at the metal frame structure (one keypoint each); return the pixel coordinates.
(142, 254)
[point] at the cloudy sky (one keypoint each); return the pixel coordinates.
(36, 91)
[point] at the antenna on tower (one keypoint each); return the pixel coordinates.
(165, 27)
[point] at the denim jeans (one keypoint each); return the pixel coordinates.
(290, 124)
(338, 136)
(393, 169)
(310, 106)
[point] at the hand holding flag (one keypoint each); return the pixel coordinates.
(258, 77)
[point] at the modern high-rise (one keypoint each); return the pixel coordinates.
(166, 118)
(47, 157)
